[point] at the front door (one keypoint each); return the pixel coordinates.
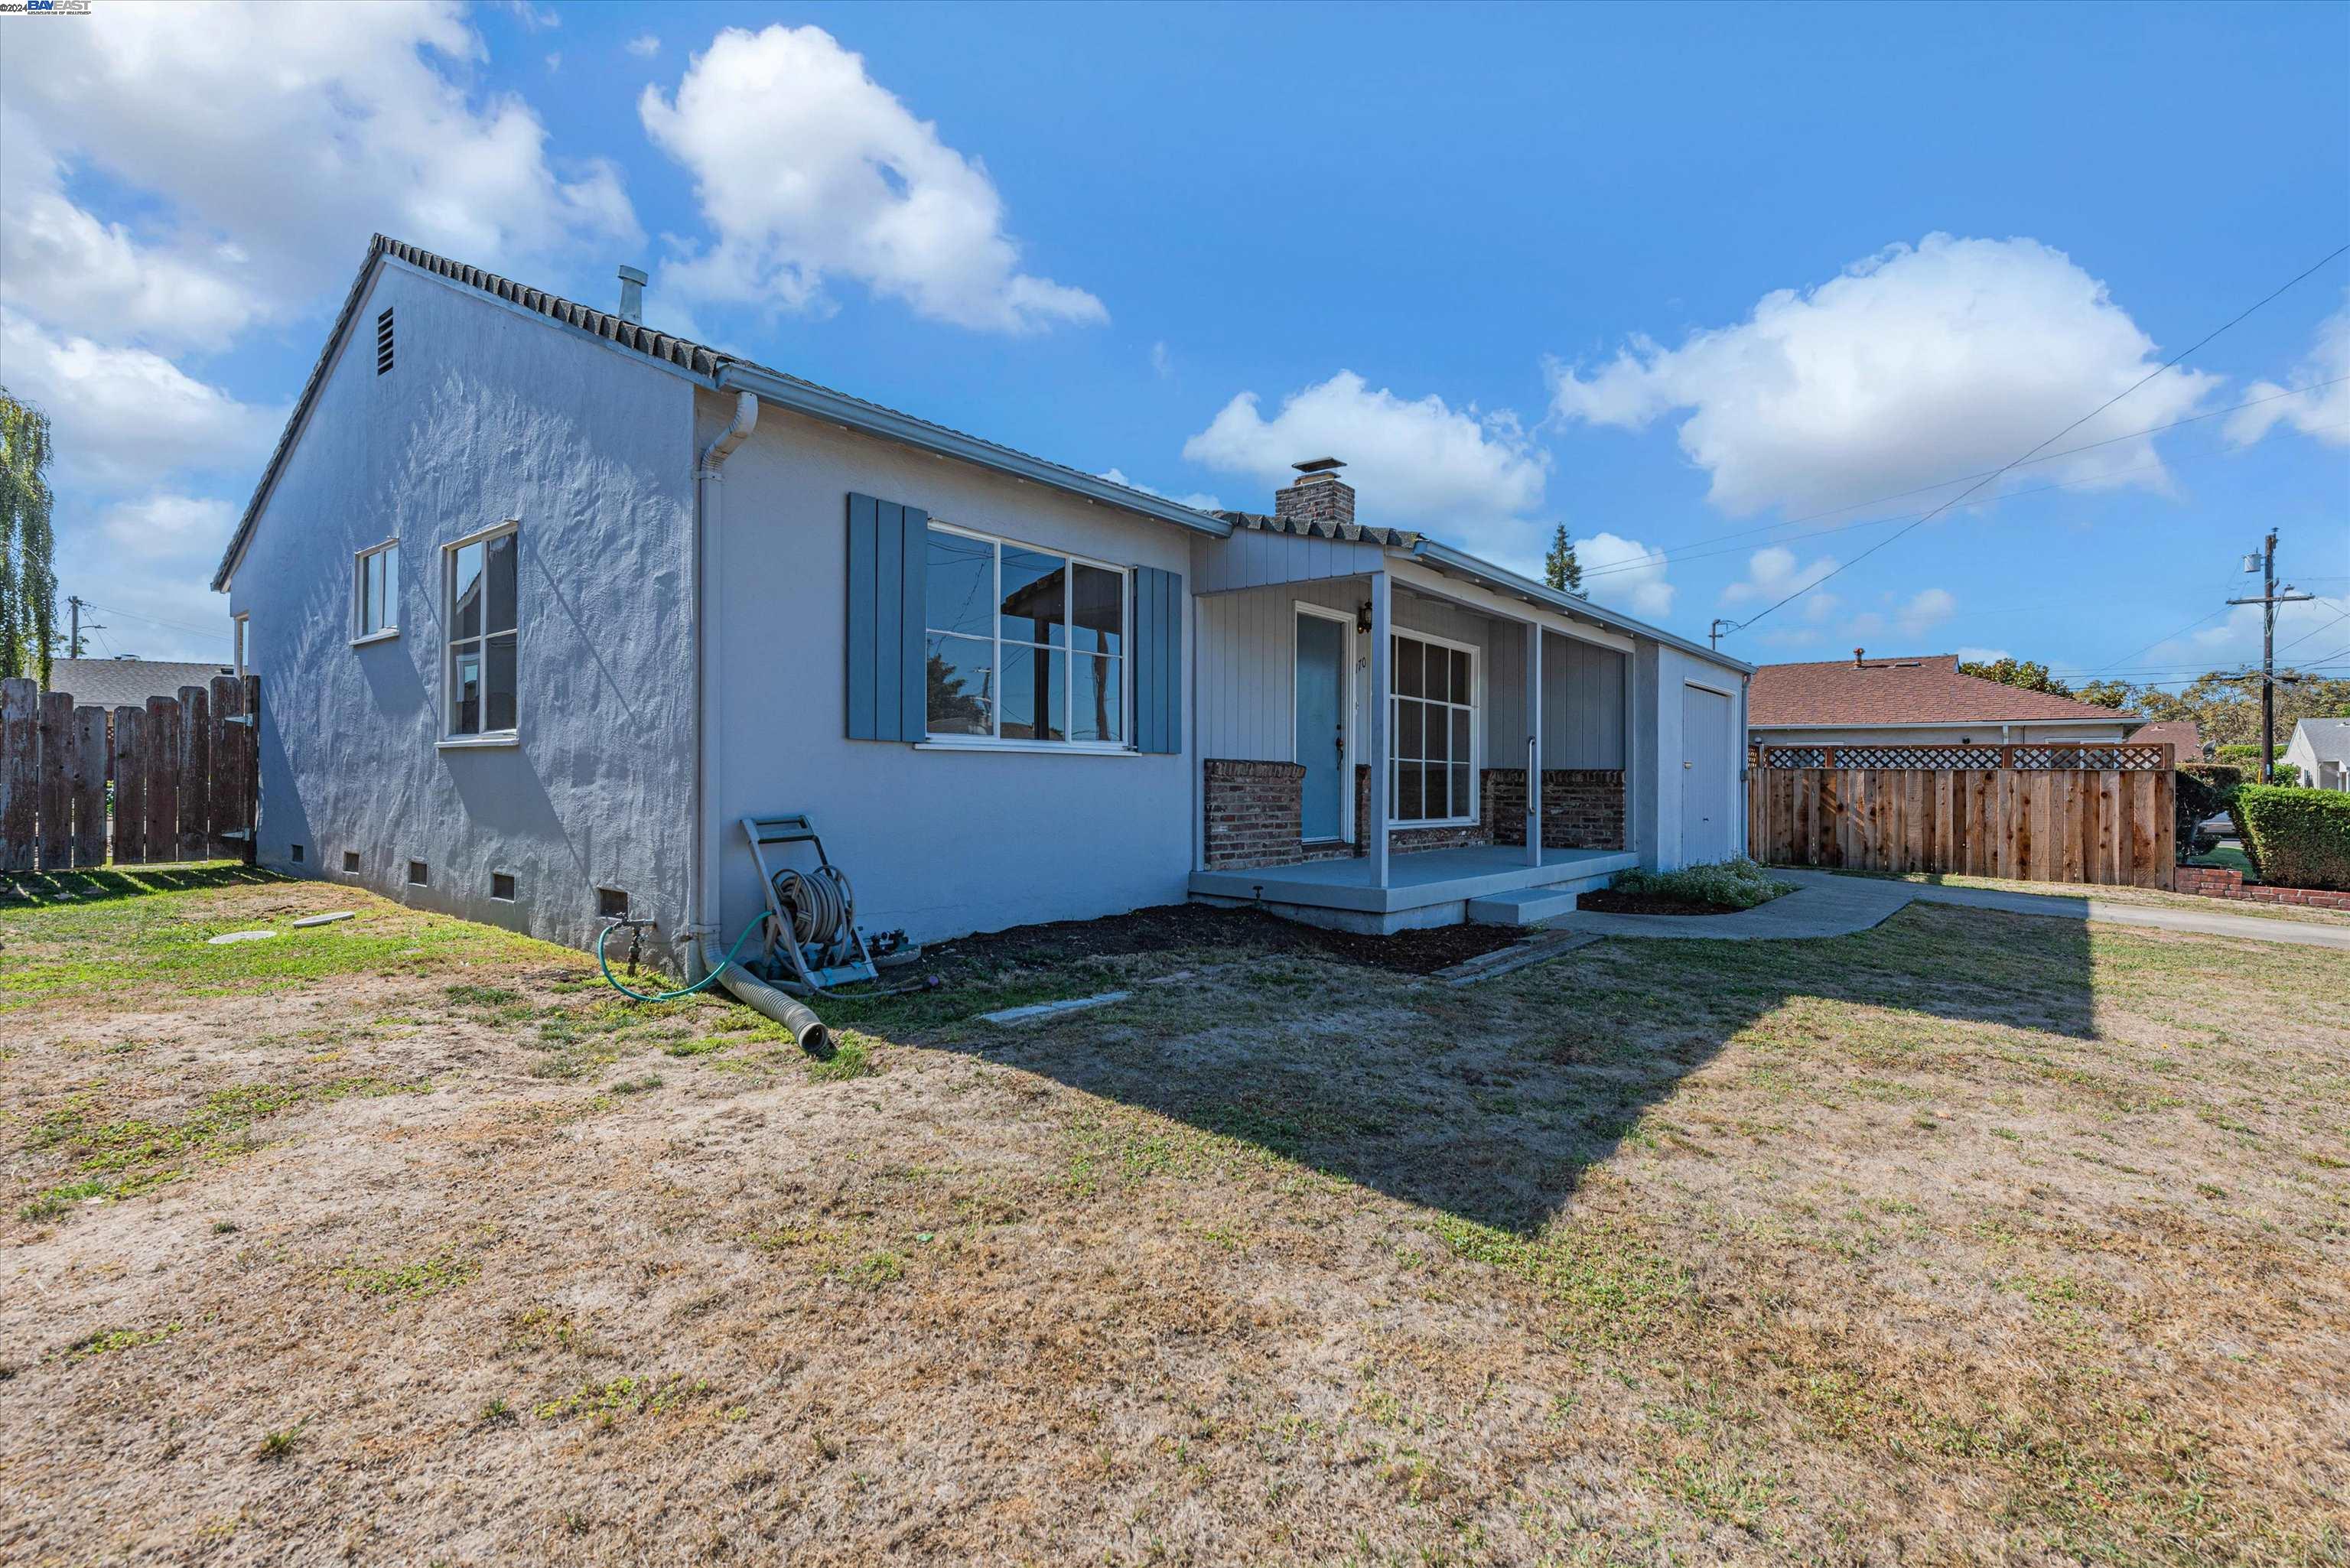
(1705, 776)
(1321, 738)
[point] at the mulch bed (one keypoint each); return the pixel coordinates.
(1170, 925)
(1607, 901)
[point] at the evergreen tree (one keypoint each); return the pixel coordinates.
(1561, 570)
(28, 580)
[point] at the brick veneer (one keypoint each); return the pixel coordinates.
(1583, 808)
(1404, 840)
(2223, 882)
(1255, 816)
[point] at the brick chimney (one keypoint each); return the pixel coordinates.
(1318, 496)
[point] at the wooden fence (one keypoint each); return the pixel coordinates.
(83, 786)
(2037, 814)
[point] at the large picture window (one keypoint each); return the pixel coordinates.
(1432, 714)
(483, 638)
(1023, 644)
(375, 591)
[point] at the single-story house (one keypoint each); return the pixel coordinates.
(116, 682)
(544, 604)
(1915, 701)
(2320, 747)
(2183, 736)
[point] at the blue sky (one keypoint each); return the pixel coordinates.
(1697, 281)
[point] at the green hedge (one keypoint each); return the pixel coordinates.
(2203, 791)
(2297, 837)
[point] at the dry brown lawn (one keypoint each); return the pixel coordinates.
(1976, 1238)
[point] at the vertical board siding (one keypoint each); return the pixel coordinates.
(19, 777)
(55, 798)
(231, 767)
(162, 738)
(885, 661)
(195, 773)
(2107, 827)
(129, 786)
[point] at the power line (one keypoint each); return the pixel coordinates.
(158, 620)
(2167, 366)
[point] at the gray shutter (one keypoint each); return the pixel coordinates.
(1158, 659)
(889, 557)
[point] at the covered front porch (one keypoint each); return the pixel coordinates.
(1492, 884)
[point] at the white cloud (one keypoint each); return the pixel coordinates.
(1198, 500)
(1421, 462)
(533, 18)
(1981, 655)
(1772, 574)
(555, 61)
(1926, 608)
(216, 114)
(129, 416)
(162, 525)
(1162, 363)
(2307, 631)
(807, 168)
(644, 45)
(1627, 574)
(2322, 413)
(1915, 366)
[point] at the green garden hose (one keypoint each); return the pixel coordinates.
(704, 983)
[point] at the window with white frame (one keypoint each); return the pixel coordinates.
(1023, 644)
(1432, 714)
(375, 590)
(482, 633)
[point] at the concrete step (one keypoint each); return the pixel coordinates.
(1525, 907)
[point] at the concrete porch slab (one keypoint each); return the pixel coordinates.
(1426, 879)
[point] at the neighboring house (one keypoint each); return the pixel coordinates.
(114, 683)
(2320, 747)
(544, 603)
(2183, 736)
(1920, 701)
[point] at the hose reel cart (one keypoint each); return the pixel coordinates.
(812, 939)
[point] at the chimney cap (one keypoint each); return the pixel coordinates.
(1317, 465)
(1858, 654)
(636, 274)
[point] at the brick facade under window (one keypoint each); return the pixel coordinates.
(1583, 808)
(1255, 816)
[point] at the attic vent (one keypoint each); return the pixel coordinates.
(383, 341)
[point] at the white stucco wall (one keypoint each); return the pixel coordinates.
(940, 842)
(488, 414)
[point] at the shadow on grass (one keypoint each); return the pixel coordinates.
(1490, 1103)
(131, 882)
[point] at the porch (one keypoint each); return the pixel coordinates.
(1493, 884)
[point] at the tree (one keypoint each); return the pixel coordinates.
(2226, 703)
(28, 578)
(1561, 570)
(2106, 694)
(2029, 674)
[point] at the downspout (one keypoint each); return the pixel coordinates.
(701, 870)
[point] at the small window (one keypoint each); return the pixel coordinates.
(612, 904)
(1023, 644)
(416, 873)
(383, 341)
(1433, 726)
(350, 862)
(502, 886)
(375, 590)
(483, 638)
(298, 853)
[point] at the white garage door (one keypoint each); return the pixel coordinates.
(1705, 776)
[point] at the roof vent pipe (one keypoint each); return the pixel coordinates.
(632, 294)
(1857, 654)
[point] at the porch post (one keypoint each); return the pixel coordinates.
(1534, 742)
(1382, 601)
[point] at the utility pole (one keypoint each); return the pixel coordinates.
(2265, 564)
(1713, 636)
(73, 643)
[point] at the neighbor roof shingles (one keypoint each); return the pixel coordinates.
(1929, 689)
(112, 682)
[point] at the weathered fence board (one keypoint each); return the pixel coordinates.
(2099, 814)
(165, 763)
(93, 765)
(20, 749)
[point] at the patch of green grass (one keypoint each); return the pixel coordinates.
(607, 1402)
(408, 1282)
(118, 1339)
(279, 1444)
(1613, 1286)
(58, 1200)
(850, 1058)
(643, 1085)
(878, 1268)
(697, 1047)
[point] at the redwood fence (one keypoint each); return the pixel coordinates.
(83, 786)
(2037, 814)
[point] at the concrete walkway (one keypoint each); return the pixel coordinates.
(1826, 905)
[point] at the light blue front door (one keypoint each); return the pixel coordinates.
(1322, 722)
